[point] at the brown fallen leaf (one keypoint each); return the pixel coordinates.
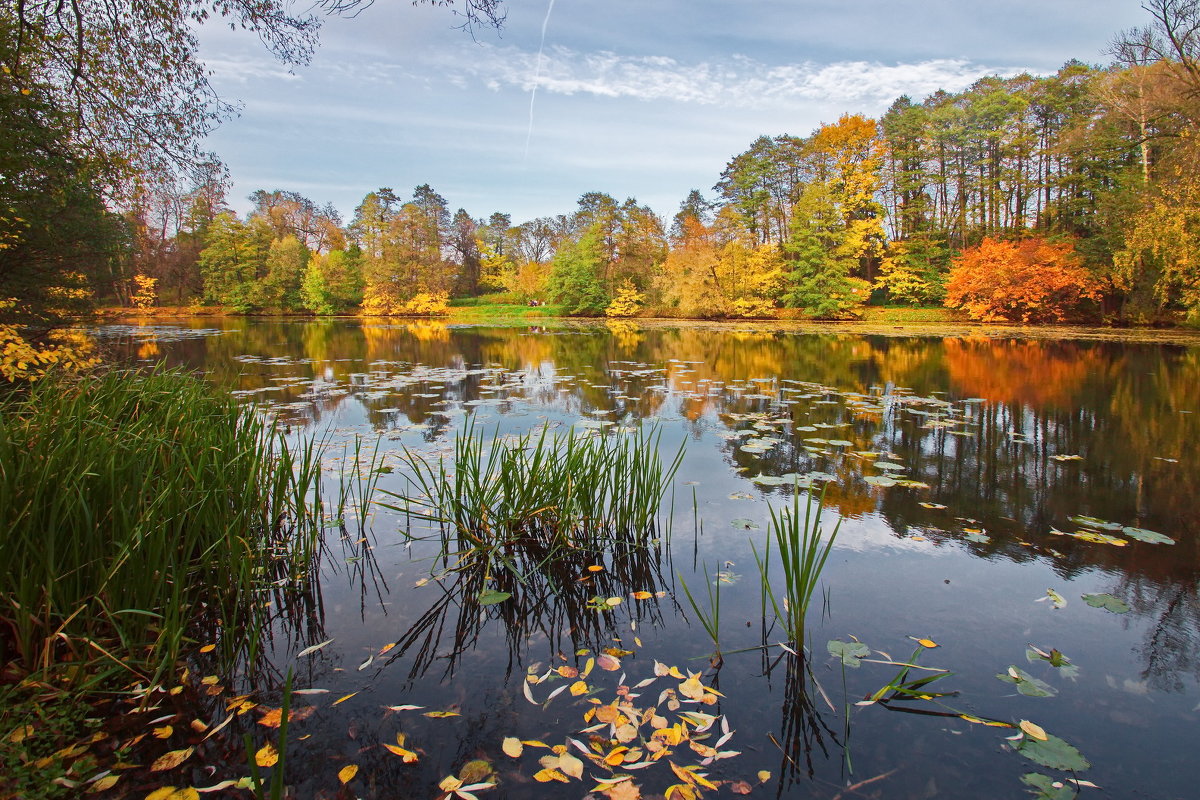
(740, 787)
(172, 759)
(272, 717)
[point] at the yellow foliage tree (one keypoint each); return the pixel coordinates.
(378, 301)
(145, 292)
(22, 359)
(628, 301)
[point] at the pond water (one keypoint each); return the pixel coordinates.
(961, 469)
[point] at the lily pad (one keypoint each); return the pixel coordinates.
(880, 480)
(1027, 684)
(744, 524)
(1048, 788)
(851, 653)
(1053, 753)
(978, 537)
(1107, 602)
(1150, 537)
(1093, 522)
(490, 597)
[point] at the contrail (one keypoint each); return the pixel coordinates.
(537, 75)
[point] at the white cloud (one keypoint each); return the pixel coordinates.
(240, 69)
(733, 82)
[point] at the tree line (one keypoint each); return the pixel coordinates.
(1065, 196)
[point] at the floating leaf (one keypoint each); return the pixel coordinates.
(1057, 599)
(171, 793)
(441, 714)
(404, 708)
(930, 643)
(1048, 788)
(1093, 522)
(744, 524)
(407, 756)
(344, 699)
(272, 717)
(1107, 602)
(1027, 684)
(512, 747)
(763, 776)
(607, 663)
(642, 595)
(938, 506)
(490, 597)
(172, 759)
(851, 653)
(1053, 753)
(267, 756)
(347, 773)
(308, 651)
(1032, 729)
(1150, 537)
(882, 481)
(162, 733)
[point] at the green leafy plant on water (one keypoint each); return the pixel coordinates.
(139, 509)
(519, 502)
(803, 550)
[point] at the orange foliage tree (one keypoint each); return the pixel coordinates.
(1027, 281)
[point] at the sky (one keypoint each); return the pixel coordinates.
(637, 98)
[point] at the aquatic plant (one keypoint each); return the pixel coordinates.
(803, 551)
(139, 509)
(519, 501)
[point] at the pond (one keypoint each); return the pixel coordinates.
(1026, 505)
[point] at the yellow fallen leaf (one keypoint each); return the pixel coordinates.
(163, 733)
(267, 755)
(571, 765)
(171, 793)
(344, 699)
(512, 747)
(567, 672)
(1033, 731)
(208, 648)
(547, 775)
(928, 643)
(595, 568)
(172, 759)
(578, 688)
(763, 776)
(450, 783)
(347, 773)
(613, 601)
(21, 734)
(642, 595)
(692, 688)
(105, 783)
(210, 680)
(441, 714)
(407, 755)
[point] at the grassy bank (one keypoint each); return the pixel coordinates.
(142, 514)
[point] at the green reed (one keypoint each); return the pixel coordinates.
(138, 508)
(710, 619)
(803, 551)
(546, 490)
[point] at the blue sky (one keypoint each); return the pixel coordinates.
(637, 98)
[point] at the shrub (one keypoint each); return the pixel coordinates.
(1027, 281)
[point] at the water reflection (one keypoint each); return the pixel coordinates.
(972, 447)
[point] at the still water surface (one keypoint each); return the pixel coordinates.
(955, 464)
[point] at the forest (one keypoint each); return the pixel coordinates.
(1055, 198)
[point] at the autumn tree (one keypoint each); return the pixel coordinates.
(1032, 280)
(575, 280)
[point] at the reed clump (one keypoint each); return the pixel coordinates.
(136, 508)
(803, 550)
(520, 500)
